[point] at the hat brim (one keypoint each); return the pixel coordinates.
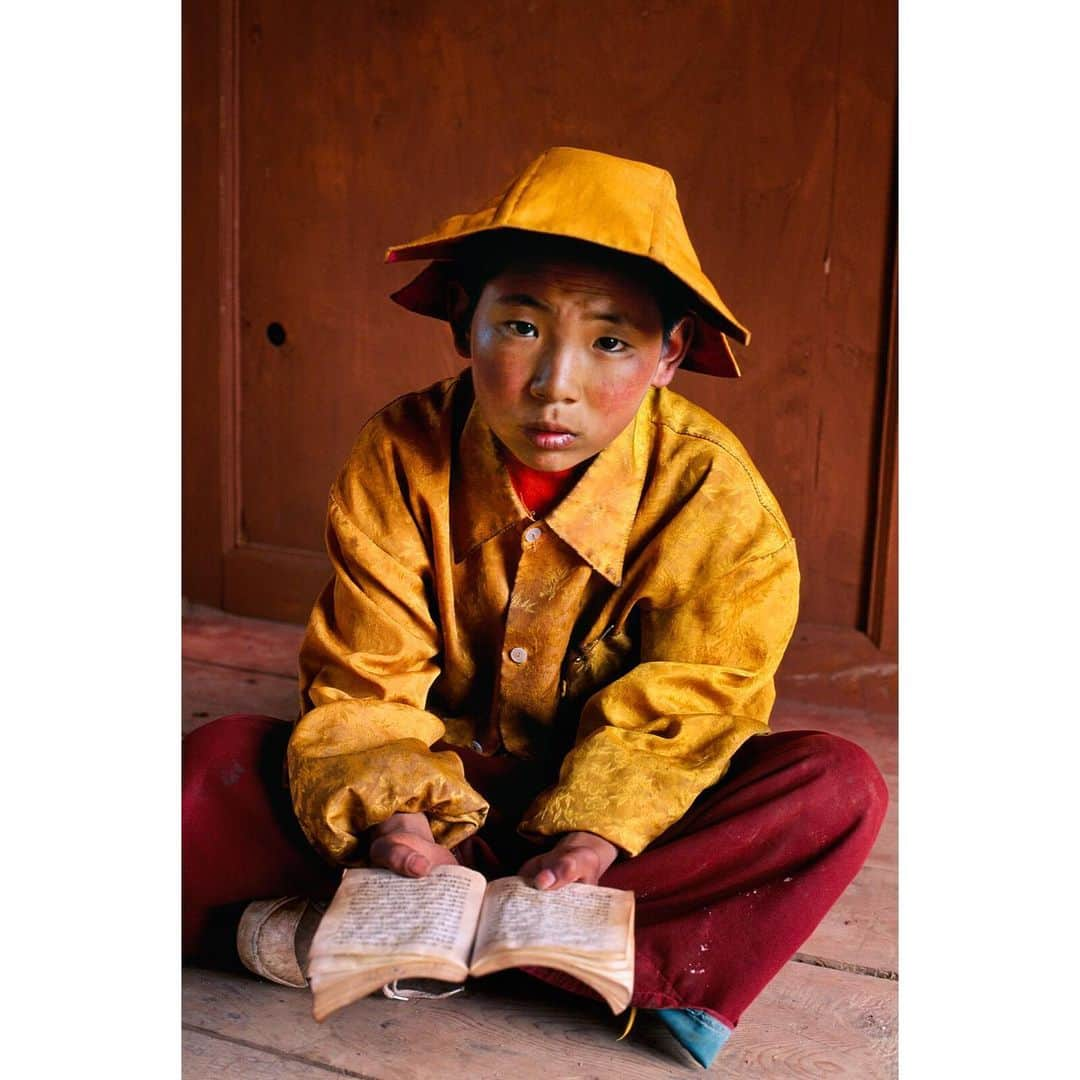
(709, 353)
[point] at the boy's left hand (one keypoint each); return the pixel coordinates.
(578, 856)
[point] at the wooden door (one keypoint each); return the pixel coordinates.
(335, 128)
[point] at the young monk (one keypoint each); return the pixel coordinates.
(560, 595)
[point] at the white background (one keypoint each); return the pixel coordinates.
(90, 430)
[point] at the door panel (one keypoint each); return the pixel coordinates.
(360, 124)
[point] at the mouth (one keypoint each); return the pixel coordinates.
(548, 436)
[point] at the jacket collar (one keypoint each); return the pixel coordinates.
(594, 518)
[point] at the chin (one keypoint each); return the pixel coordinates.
(551, 460)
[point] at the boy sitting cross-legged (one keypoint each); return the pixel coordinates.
(560, 594)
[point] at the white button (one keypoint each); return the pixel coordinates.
(474, 745)
(533, 534)
(518, 655)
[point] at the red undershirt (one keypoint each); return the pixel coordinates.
(539, 490)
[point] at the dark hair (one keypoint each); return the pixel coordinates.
(480, 258)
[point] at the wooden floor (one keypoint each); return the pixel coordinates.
(832, 1011)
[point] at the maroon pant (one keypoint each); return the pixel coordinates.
(724, 897)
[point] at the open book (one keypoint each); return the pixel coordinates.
(452, 924)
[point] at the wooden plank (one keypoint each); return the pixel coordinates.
(809, 1022)
(871, 689)
(209, 691)
(233, 640)
(839, 668)
(861, 929)
(205, 1057)
(883, 624)
(856, 289)
(201, 435)
(813, 1022)
(501, 1026)
(884, 853)
(273, 583)
(820, 647)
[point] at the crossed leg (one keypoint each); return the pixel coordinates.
(724, 897)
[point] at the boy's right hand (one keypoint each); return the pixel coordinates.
(403, 843)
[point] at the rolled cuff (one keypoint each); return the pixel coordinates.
(338, 798)
(611, 785)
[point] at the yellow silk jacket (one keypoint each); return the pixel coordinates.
(629, 638)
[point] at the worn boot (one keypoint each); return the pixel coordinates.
(274, 937)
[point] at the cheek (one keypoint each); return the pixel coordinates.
(616, 395)
(495, 377)
(493, 381)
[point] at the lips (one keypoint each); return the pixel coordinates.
(543, 425)
(547, 436)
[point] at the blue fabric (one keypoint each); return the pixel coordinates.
(702, 1035)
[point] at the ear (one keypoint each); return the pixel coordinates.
(673, 351)
(459, 313)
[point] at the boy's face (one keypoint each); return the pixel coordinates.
(563, 351)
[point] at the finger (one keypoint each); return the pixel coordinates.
(536, 870)
(545, 879)
(379, 852)
(416, 865)
(439, 856)
(391, 854)
(530, 868)
(559, 870)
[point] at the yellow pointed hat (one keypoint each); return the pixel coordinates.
(625, 205)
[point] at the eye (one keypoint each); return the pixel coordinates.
(520, 328)
(611, 344)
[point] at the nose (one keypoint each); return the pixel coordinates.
(556, 377)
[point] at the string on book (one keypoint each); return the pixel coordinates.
(408, 993)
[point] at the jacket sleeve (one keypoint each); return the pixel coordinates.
(361, 749)
(651, 741)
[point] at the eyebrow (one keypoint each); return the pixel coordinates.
(519, 299)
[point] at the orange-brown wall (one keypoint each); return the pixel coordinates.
(318, 134)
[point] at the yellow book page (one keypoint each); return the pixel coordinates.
(584, 930)
(377, 913)
(582, 919)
